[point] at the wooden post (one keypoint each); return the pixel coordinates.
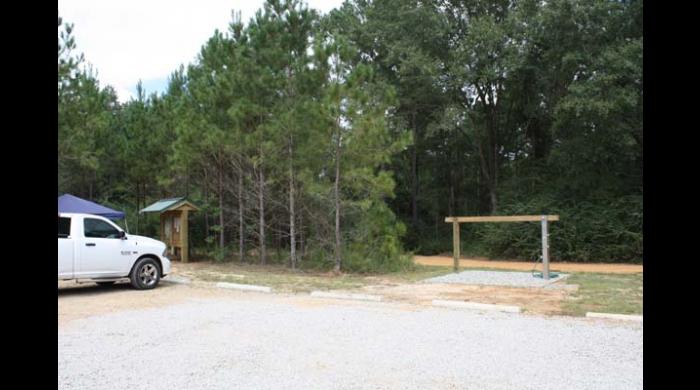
(455, 244)
(545, 249)
(162, 227)
(184, 244)
(503, 218)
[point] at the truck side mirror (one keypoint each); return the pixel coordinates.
(122, 235)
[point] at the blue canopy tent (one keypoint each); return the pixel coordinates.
(68, 203)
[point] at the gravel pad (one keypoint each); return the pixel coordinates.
(496, 278)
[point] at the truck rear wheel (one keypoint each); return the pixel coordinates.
(146, 274)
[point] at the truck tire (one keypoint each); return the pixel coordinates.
(146, 274)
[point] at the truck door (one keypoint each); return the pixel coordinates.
(66, 249)
(100, 250)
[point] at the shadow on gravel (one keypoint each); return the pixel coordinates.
(94, 289)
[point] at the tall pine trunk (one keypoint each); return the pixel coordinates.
(187, 182)
(292, 214)
(221, 208)
(302, 246)
(143, 199)
(493, 199)
(494, 181)
(488, 153)
(206, 202)
(241, 227)
(451, 206)
(414, 175)
(138, 189)
(261, 208)
(336, 269)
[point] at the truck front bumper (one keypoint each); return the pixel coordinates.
(166, 265)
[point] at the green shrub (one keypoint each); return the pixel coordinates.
(595, 231)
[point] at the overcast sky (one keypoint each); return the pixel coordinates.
(129, 40)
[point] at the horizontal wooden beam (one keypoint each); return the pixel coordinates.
(503, 218)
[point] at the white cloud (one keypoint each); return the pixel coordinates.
(128, 40)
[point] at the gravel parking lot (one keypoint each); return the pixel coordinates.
(212, 339)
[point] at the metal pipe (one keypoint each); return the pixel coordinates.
(545, 249)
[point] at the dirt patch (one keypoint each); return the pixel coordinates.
(447, 261)
(534, 300)
(77, 301)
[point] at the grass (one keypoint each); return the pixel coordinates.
(283, 279)
(605, 293)
(598, 292)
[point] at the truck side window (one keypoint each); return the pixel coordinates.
(63, 227)
(96, 228)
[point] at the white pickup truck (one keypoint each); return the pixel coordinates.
(93, 248)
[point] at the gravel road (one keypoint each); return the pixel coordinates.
(256, 341)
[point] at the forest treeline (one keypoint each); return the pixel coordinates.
(342, 141)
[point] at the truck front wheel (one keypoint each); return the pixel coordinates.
(146, 274)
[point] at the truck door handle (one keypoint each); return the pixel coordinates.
(90, 244)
